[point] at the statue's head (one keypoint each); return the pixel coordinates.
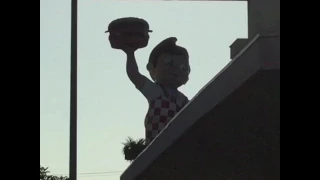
(169, 64)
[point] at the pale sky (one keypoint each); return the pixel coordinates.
(110, 108)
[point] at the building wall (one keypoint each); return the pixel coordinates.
(263, 17)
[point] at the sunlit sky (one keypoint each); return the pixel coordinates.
(110, 108)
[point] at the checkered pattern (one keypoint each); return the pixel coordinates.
(161, 111)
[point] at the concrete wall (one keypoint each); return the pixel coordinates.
(263, 17)
(237, 140)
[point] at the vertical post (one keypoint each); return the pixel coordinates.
(73, 93)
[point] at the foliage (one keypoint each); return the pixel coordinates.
(133, 148)
(44, 175)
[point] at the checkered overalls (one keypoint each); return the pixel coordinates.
(161, 111)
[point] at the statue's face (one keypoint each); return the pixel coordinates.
(171, 70)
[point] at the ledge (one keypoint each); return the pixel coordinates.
(237, 46)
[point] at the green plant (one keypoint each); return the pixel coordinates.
(44, 175)
(133, 148)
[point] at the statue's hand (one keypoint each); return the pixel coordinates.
(129, 50)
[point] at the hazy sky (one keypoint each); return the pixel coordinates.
(110, 108)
